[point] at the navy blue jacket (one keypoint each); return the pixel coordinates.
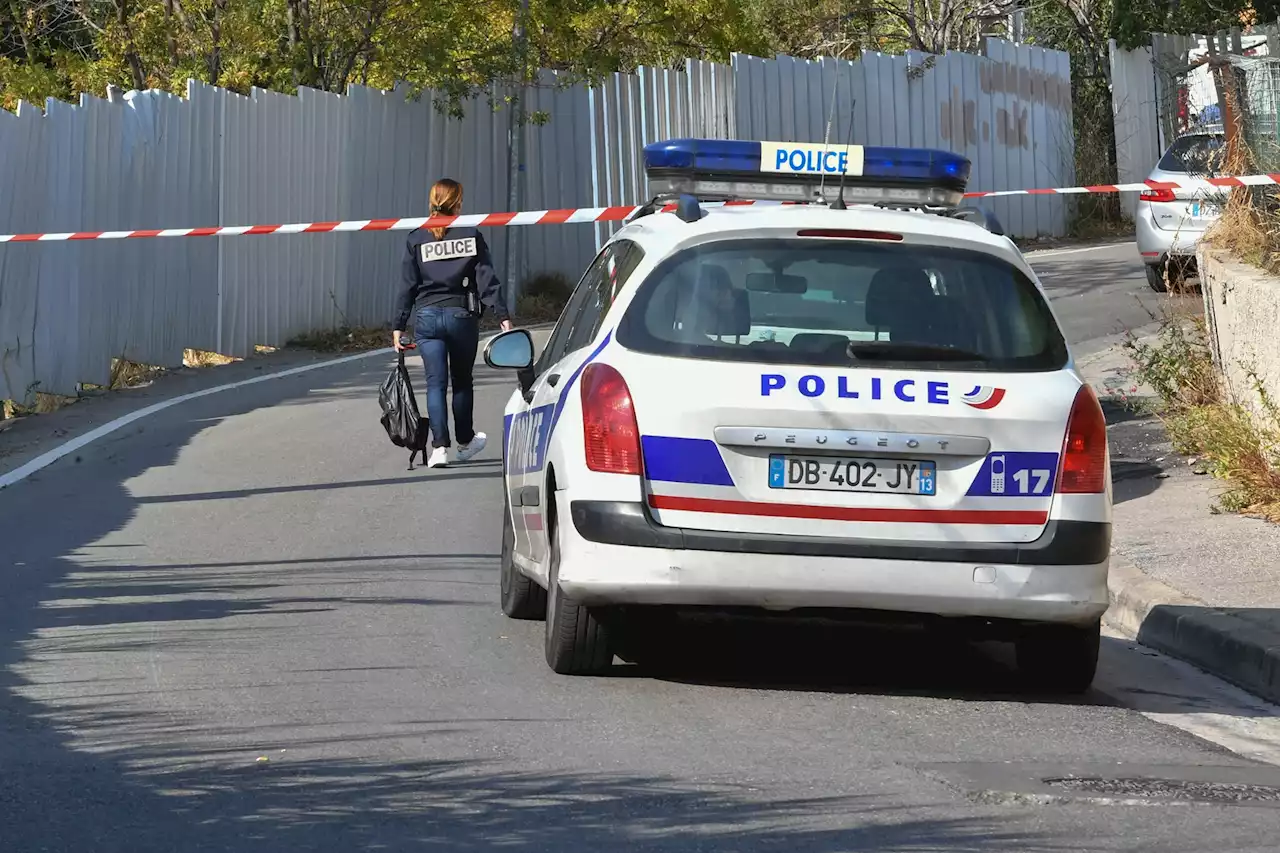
(437, 271)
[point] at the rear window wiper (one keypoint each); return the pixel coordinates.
(923, 352)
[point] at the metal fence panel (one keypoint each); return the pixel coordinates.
(1133, 102)
(24, 155)
(1008, 111)
(151, 160)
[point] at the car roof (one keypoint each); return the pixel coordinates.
(666, 232)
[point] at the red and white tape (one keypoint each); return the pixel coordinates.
(581, 215)
(1192, 184)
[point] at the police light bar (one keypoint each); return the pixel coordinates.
(725, 169)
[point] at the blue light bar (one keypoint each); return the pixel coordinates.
(711, 168)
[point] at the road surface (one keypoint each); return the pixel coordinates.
(242, 625)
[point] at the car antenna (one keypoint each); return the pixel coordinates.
(826, 137)
(839, 202)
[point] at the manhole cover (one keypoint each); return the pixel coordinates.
(1217, 792)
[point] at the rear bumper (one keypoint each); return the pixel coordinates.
(1157, 245)
(605, 562)
(1063, 543)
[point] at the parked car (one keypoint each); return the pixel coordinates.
(807, 408)
(1170, 222)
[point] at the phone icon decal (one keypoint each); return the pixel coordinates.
(997, 474)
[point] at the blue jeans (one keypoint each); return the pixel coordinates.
(447, 339)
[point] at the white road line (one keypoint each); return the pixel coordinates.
(46, 459)
(1054, 253)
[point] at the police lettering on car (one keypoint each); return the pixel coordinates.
(861, 402)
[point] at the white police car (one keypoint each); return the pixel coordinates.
(809, 407)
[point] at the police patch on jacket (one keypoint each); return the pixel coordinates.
(447, 250)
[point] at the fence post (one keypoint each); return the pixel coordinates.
(222, 207)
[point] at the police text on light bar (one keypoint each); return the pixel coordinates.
(713, 169)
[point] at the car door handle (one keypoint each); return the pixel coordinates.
(553, 379)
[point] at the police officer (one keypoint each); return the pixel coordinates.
(448, 279)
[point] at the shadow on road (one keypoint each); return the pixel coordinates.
(1135, 473)
(783, 655)
(95, 773)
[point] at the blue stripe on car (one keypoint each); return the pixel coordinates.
(684, 460)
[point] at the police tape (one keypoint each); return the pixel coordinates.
(572, 216)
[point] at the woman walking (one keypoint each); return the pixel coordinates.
(448, 277)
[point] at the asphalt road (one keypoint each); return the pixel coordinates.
(1098, 294)
(242, 625)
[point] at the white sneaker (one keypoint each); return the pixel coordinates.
(439, 457)
(466, 451)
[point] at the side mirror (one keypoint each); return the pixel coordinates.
(511, 350)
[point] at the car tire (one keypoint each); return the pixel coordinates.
(1155, 278)
(577, 641)
(1059, 658)
(522, 598)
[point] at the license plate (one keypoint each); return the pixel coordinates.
(853, 474)
(1204, 209)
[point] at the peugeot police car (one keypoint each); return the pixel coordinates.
(859, 401)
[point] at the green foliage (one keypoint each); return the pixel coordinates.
(59, 48)
(1135, 20)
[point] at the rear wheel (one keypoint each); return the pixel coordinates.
(522, 598)
(1155, 278)
(577, 642)
(1059, 658)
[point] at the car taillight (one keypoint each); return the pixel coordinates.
(1158, 195)
(1083, 470)
(609, 428)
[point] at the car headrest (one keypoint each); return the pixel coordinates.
(719, 308)
(815, 342)
(894, 290)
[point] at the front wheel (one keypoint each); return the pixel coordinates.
(522, 598)
(577, 642)
(1059, 658)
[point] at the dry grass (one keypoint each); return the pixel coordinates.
(1250, 223)
(344, 339)
(124, 374)
(202, 358)
(1237, 447)
(1249, 230)
(40, 404)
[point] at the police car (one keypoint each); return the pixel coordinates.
(859, 402)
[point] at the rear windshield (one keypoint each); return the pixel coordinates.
(1198, 154)
(835, 302)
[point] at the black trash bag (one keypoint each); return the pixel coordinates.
(400, 418)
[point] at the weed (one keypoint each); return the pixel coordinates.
(1177, 364)
(551, 286)
(344, 339)
(1237, 446)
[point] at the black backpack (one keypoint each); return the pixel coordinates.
(400, 418)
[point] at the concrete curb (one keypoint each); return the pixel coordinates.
(1158, 616)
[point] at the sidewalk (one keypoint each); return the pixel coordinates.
(1196, 584)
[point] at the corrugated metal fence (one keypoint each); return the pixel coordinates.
(152, 160)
